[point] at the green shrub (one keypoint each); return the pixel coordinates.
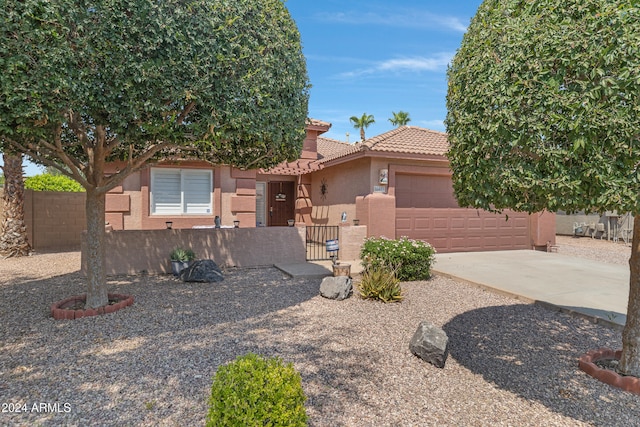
(413, 258)
(48, 182)
(254, 391)
(182, 255)
(380, 282)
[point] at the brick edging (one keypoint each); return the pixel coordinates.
(607, 376)
(59, 313)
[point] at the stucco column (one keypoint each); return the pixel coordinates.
(378, 212)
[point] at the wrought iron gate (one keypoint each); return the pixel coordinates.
(317, 238)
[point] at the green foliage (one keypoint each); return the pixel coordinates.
(362, 123)
(413, 258)
(47, 182)
(138, 81)
(254, 391)
(182, 255)
(219, 80)
(544, 105)
(378, 281)
(401, 118)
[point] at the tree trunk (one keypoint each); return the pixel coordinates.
(362, 133)
(13, 231)
(96, 279)
(630, 360)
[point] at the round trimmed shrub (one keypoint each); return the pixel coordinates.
(412, 258)
(257, 391)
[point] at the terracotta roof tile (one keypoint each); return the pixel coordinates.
(410, 140)
(329, 148)
(316, 122)
(403, 140)
(297, 167)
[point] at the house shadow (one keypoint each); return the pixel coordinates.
(525, 350)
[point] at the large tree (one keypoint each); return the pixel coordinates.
(543, 113)
(86, 82)
(362, 123)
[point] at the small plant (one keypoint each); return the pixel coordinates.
(254, 391)
(149, 405)
(414, 258)
(380, 282)
(182, 255)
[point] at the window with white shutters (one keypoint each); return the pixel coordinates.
(181, 191)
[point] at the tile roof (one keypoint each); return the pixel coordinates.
(328, 148)
(403, 140)
(411, 140)
(316, 122)
(297, 167)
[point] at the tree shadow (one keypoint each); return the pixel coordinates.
(536, 356)
(173, 354)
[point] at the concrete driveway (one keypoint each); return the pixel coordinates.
(597, 290)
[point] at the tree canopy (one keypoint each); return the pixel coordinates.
(543, 113)
(136, 79)
(543, 106)
(362, 123)
(85, 82)
(401, 118)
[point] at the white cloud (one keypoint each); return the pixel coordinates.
(414, 64)
(407, 18)
(433, 124)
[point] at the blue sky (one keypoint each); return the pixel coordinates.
(377, 57)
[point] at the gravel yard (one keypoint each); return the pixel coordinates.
(151, 364)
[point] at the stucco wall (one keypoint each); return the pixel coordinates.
(134, 251)
(343, 184)
(351, 239)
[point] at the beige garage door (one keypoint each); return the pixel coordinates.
(426, 209)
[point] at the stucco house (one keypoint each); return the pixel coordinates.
(396, 184)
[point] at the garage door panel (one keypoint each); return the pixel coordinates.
(463, 230)
(441, 223)
(426, 209)
(403, 223)
(422, 223)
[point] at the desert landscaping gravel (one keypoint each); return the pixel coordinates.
(151, 364)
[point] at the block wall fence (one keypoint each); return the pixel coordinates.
(54, 220)
(136, 251)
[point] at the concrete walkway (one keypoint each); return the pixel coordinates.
(596, 290)
(317, 269)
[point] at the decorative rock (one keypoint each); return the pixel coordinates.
(202, 271)
(430, 344)
(337, 288)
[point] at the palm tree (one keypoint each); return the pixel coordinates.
(401, 118)
(13, 231)
(362, 123)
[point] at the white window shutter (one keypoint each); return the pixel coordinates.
(165, 192)
(197, 191)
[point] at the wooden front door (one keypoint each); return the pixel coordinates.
(281, 203)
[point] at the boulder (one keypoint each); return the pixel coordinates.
(429, 343)
(337, 288)
(202, 271)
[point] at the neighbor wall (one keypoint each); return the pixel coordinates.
(54, 219)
